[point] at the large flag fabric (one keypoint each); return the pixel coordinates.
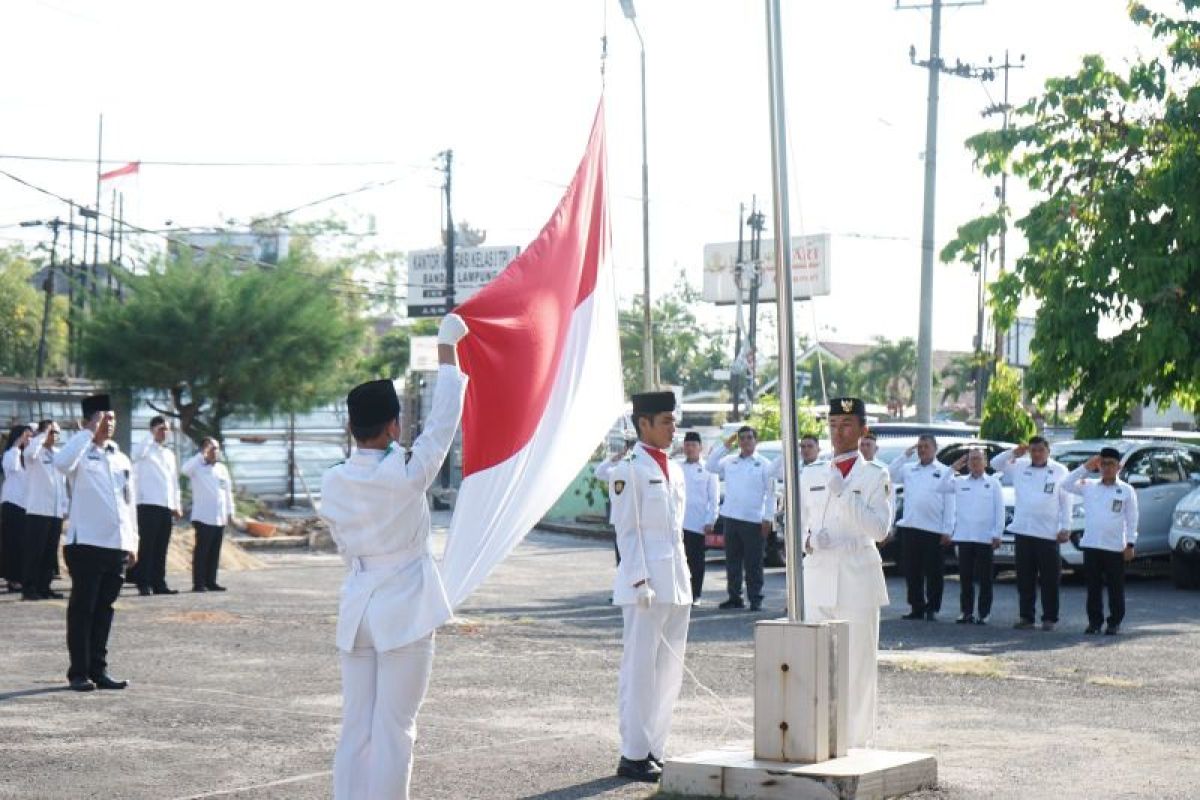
(129, 169)
(545, 378)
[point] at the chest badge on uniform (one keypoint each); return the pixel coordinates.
(618, 486)
(1116, 505)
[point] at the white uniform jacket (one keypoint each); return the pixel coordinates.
(212, 491)
(378, 515)
(45, 487)
(846, 570)
(647, 511)
(13, 490)
(103, 489)
(157, 478)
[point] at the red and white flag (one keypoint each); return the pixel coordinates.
(129, 169)
(544, 362)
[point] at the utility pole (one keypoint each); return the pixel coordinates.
(1004, 109)
(735, 373)
(70, 272)
(96, 240)
(980, 371)
(757, 222)
(48, 286)
(935, 66)
(447, 157)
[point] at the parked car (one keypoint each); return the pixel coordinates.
(1184, 541)
(1160, 472)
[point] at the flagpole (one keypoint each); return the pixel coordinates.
(783, 294)
(96, 240)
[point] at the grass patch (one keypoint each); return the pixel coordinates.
(977, 668)
(1111, 682)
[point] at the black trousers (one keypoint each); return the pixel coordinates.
(1102, 567)
(154, 532)
(96, 578)
(1039, 567)
(744, 551)
(924, 565)
(12, 540)
(207, 555)
(975, 566)
(41, 553)
(693, 546)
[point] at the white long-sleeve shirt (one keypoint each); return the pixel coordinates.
(702, 495)
(1110, 513)
(102, 493)
(13, 490)
(978, 506)
(925, 508)
(157, 478)
(45, 487)
(1042, 509)
(212, 491)
(749, 484)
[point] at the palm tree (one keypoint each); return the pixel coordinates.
(962, 375)
(889, 371)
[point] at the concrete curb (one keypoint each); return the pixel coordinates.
(272, 542)
(584, 530)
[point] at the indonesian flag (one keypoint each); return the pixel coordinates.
(129, 169)
(545, 378)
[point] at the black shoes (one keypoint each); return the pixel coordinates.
(931, 616)
(53, 595)
(212, 587)
(199, 589)
(1112, 630)
(82, 685)
(645, 771)
(144, 591)
(733, 602)
(1092, 630)
(106, 681)
(756, 605)
(914, 615)
(965, 619)
(165, 590)
(1023, 625)
(655, 760)
(30, 596)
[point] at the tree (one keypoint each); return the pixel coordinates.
(766, 422)
(21, 305)
(962, 375)
(392, 351)
(685, 352)
(219, 337)
(1004, 418)
(1113, 236)
(889, 371)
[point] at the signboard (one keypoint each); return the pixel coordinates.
(1016, 342)
(474, 267)
(423, 355)
(810, 270)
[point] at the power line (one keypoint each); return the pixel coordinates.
(219, 164)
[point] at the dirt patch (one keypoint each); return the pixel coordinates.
(201, 618)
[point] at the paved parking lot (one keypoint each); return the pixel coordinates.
(236, 695)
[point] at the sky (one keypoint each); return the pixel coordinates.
(512, 88)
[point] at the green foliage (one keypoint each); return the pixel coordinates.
(685, 352)
(219, 337)
(1004, 417)
(21, 305)
(765, 420)
(391, 352)
(889, 372)
(962, 375)
(1114, 157)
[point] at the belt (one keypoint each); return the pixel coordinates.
(385, 560)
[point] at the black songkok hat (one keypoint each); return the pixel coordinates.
(373, 403)
(692, 436)
(97, 402)
(653, 402)
(1110, 452)
(840, 406)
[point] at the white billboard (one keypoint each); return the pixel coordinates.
(1017, 340)
(810, 269)
(474, 267)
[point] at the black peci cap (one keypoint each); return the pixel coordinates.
(653, 402)
(841, 406)
(373, 403)
(692, 436)
(1110, 452)
(95, 403)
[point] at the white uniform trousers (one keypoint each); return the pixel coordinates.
(381, 695)
(651, 675)
(864, 667)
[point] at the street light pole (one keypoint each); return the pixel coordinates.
(647, 336)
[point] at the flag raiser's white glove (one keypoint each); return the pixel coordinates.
(645, 595)
(451, 330)
(836, 481)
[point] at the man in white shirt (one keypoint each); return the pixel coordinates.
(703, 493)
(45, 506)
(393, 599)
(746, 514)
(12, 507)
(651, 586)
(928, 515)
(868, 447)
(1109, 535)
(102, 540)
(1041, 519)
(978, 527)
(157, 508)
(212, 508)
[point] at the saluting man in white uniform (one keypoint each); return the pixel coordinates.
(846, 508)
(652, 586)
(392, 599)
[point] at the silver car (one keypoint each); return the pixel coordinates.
(1184, 541)
(1160, 472)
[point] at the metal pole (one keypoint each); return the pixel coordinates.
(647, 332)
(925, 327)
(449, 156)
(96, 240)
(735, 383)
(783, 294)
(54, 224)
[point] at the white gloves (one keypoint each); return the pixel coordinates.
(836, 482)
(451, 330)
(645, 595)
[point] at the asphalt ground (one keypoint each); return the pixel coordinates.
(236, 695)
